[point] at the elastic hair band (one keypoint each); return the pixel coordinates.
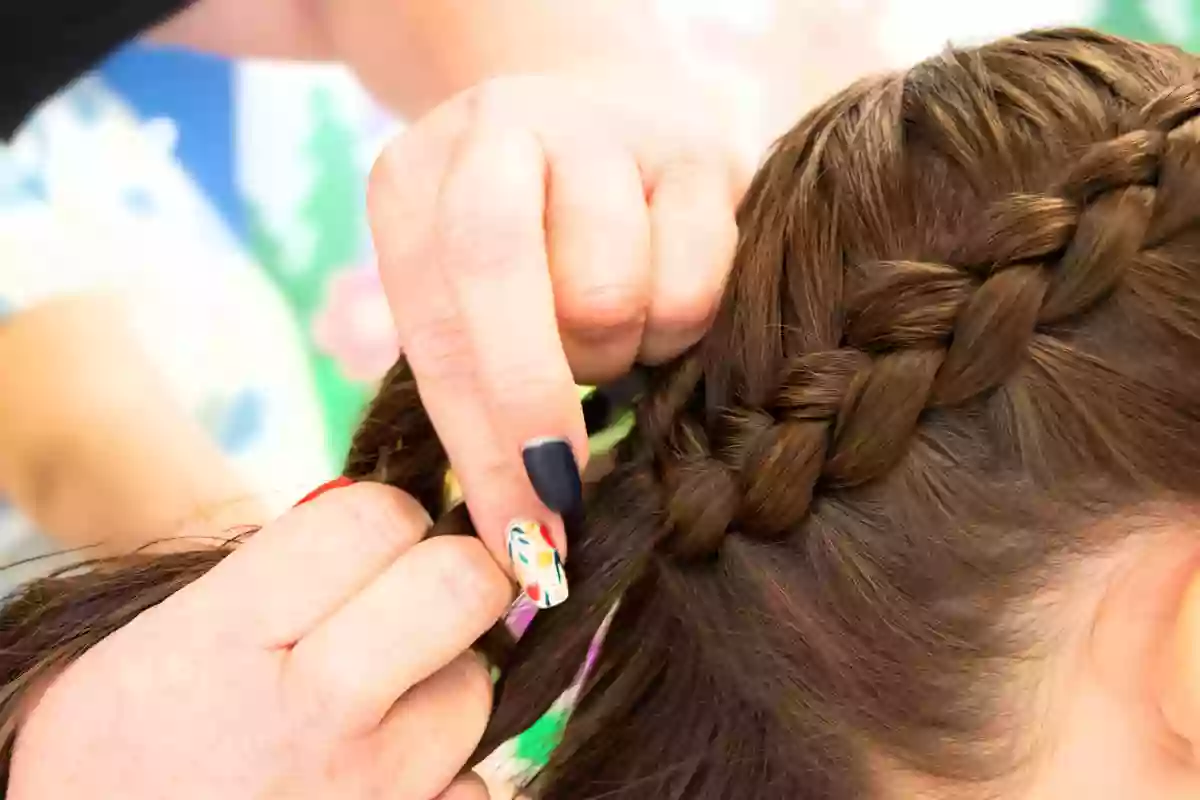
(336, 483)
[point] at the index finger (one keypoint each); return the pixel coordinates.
(446, 203)
(492, 240)
(402, 203)
(298, 570)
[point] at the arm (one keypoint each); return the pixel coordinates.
(414, 54)
(417, 53)
(93, 446)
(287, 29)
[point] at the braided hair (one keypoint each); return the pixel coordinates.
(962, 329)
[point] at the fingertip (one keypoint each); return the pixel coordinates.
(602, 281)
(594, 362)
(601, 324)
(468, 572)
(673, 334)
(367, 508)
(431, 731)
(469, 678)
(601, 339)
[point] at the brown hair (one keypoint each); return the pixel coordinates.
(963, 328)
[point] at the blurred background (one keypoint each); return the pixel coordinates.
(223, 202)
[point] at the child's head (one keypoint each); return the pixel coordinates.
(919, 514)
(919, 517)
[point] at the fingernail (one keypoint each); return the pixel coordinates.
(552, 469)
(328, 486)
(536, 562)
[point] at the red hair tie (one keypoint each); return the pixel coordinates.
(336, 483)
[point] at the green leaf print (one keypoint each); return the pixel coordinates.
(334, 213)
(1190, 39)
(535, 745)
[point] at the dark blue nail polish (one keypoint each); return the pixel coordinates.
(554, 473)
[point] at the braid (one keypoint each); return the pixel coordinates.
(919, 336)
(962, 328)
(864, 371)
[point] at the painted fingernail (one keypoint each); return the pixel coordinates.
(554, 473)
(536, 562)
(328, 486)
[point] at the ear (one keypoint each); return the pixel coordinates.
(1145, 636)
(1180, 698)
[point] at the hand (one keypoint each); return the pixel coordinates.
(538, 232)
(325, 658)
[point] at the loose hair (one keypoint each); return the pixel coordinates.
(959, 346)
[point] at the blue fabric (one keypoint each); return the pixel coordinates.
(195, 91)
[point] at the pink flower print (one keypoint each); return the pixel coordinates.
(354, 326)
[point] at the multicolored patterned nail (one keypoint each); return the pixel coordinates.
(536, 562)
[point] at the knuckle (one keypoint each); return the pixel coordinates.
(602, 310)
(374, 515)
(320, 693)
(476, 249)
(697, 185)
(692, 163)
(439, 350)
(688, 305)
(490, 204)
(680, 310)
(473, 243)
(504, 98)
(491, 98)
(464, 570)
